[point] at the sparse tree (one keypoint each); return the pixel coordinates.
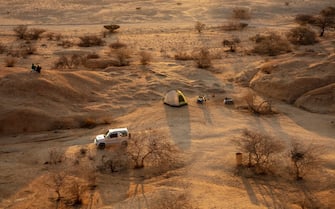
(150, 148)
(325, 20)
(304, 158)
(57, 181)
(111, 28)
(260, 149)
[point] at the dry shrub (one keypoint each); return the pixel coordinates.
(74, 192)
(304, 19)
(115, 161)
(261, 108)
(301, 36)
(90, 40)
(88, 123)
(56, 156)
(199, 26)
(182, 55)
(65, 43)
(122, 55)
(203, 58)
(92, 56)
(232, 44)
(234, 25)
(57, 182)
(10, 61)
(261, 150)
(27, 49)
(241, 13)
(51, 36)
(270, 44)
(34, 33)
(21, 31)
(145, 57)
(117, 45)
(70, 62)
(3, 48)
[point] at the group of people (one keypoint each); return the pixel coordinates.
(36, 68)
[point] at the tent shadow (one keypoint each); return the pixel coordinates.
(178, 121)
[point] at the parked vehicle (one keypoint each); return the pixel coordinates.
(228, 101)
(112, 136)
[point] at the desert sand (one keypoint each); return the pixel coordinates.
(41, 112)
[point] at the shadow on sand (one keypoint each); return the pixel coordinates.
(180, 131)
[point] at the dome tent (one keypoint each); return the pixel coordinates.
(175, 98)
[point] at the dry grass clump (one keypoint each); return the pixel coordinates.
(234, 25)
(301, 36)
(90, 40)
(241, 13)
(270, 44)
(10, 61)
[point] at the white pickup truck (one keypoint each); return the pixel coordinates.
(112, 136)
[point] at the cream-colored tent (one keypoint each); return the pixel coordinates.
(175, 98)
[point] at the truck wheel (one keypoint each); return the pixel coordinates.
(101, 146)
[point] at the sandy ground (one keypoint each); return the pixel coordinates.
(39, 112)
